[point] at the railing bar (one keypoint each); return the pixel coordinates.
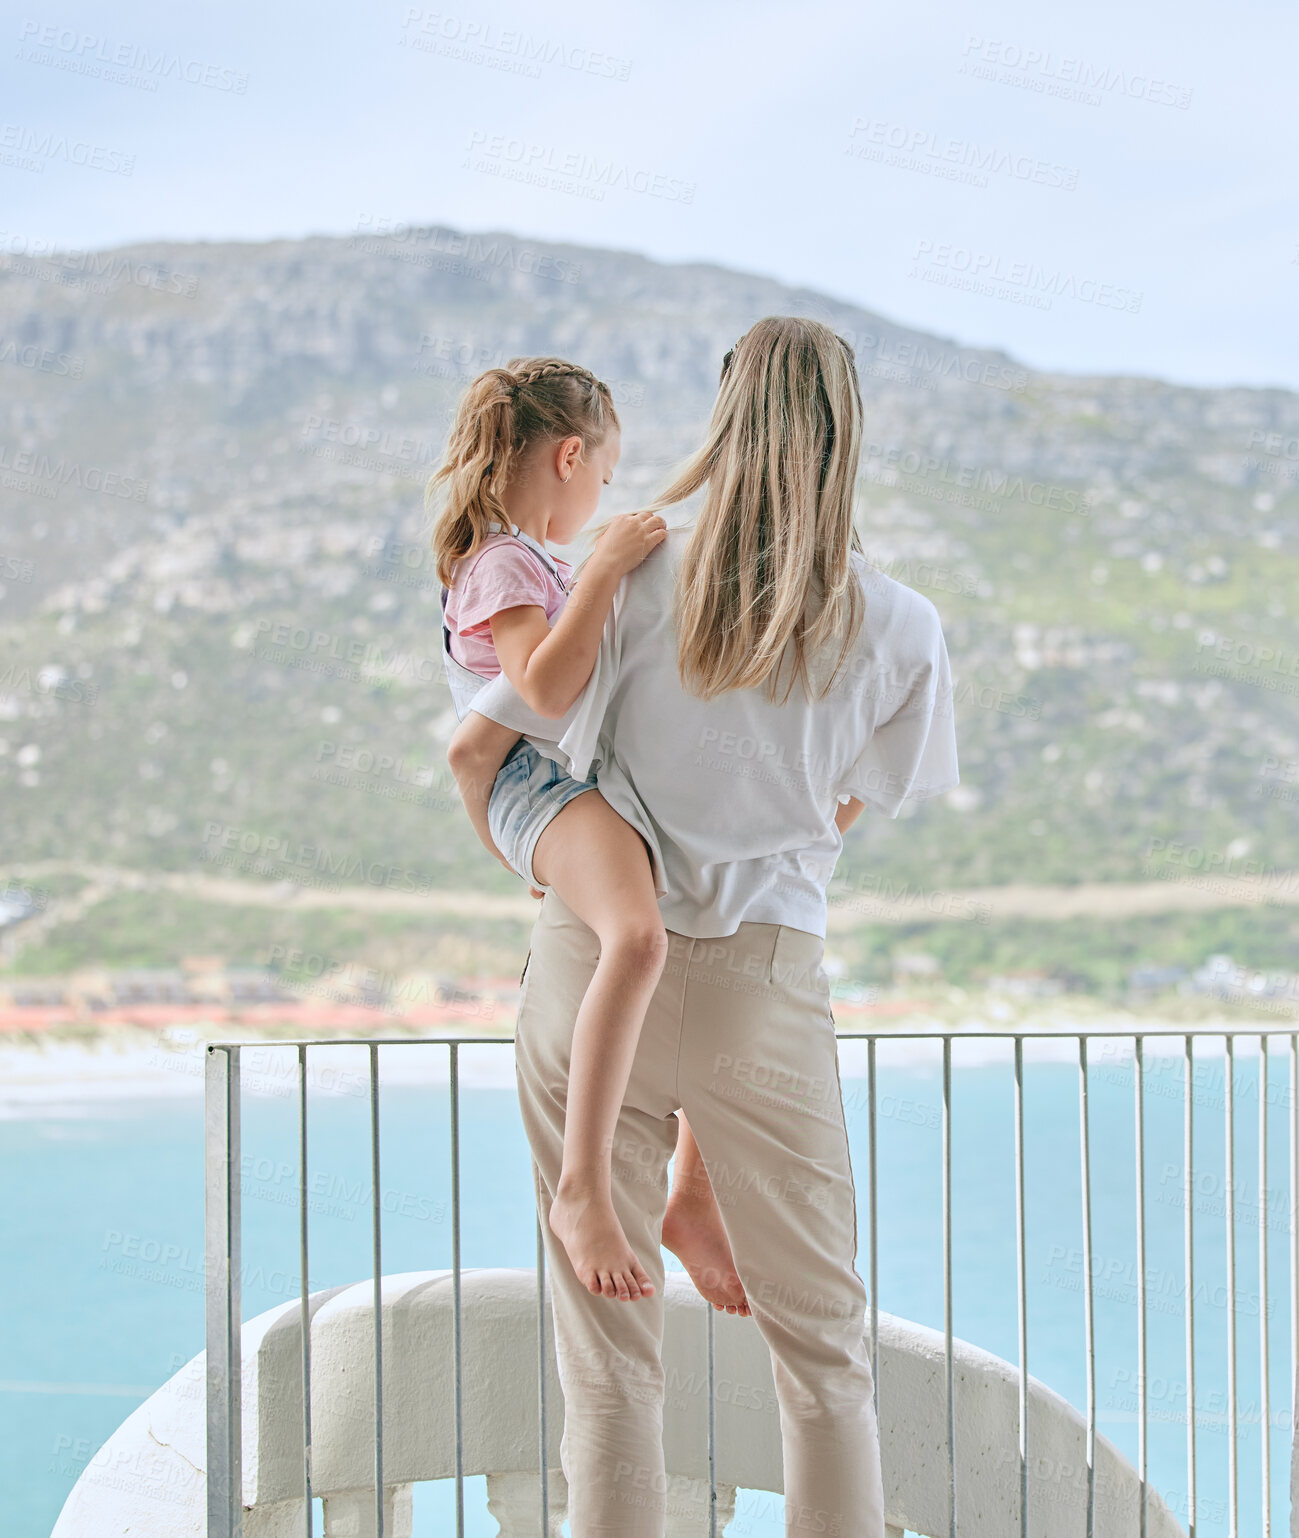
(223, 1295)
(1089, 1323)
(841, 1035)
(1264, 1384)
(1021, 1285)
(407, 1041)
(874, 1223)
(376, 1206)
(1188, 1161)
(947, 1282)
(712, 1426)
(1229, 1088)
(305, 1317)
(1138, 1064)
(542, 1455)
(1043, 1033)
(457, 1381)
(1294, 1229)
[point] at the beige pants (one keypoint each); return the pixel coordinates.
(739, 1035)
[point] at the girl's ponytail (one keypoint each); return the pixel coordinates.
(474, 469)
(501, 412)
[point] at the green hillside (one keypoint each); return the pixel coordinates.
(218, 624)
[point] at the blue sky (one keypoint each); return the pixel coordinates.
(1096, 189)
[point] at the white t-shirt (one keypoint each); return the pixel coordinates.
(736, 796)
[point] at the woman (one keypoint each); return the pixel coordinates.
(757, 684)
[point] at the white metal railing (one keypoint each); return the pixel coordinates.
(224, 1361)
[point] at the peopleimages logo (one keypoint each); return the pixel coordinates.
(284, 855)
(479, 42)
(955, 265)
(97, 272)
(548, 166)
(918, 149)
(69, 472)
(89, 53)
(1064, 75)
(883, 459)
(476, 256)
(29, 149)
(43, 359)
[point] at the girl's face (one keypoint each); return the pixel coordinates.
(580, 482)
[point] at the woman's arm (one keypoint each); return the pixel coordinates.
(475, 755)
(549, 667)
(847, 813)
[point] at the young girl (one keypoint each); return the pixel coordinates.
(531, 447)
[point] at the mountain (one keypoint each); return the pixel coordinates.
(218, 625)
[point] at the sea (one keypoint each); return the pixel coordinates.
(101, 1268)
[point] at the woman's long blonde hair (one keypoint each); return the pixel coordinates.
(767, 578)
(500, 414)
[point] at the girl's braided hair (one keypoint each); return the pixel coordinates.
(500, 414)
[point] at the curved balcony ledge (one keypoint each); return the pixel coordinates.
(148, 1481)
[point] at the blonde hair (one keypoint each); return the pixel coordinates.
(767, 577)
(500, 414)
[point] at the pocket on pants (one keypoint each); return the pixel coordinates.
(797, 962)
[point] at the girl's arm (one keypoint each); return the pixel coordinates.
(476, 752)
(548, 667)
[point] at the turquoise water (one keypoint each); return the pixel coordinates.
(101, 1267)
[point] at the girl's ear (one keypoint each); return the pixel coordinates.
(567, 454)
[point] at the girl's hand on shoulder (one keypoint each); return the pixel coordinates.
(626, 540)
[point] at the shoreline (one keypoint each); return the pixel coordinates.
(57, 1072)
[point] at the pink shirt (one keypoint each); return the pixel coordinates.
(502, 574)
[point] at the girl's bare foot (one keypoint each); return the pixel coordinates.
(693, 1231)
(586, 1225)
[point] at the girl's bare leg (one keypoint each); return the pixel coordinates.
(598, 865)
(475, 753)
(692, 1228)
